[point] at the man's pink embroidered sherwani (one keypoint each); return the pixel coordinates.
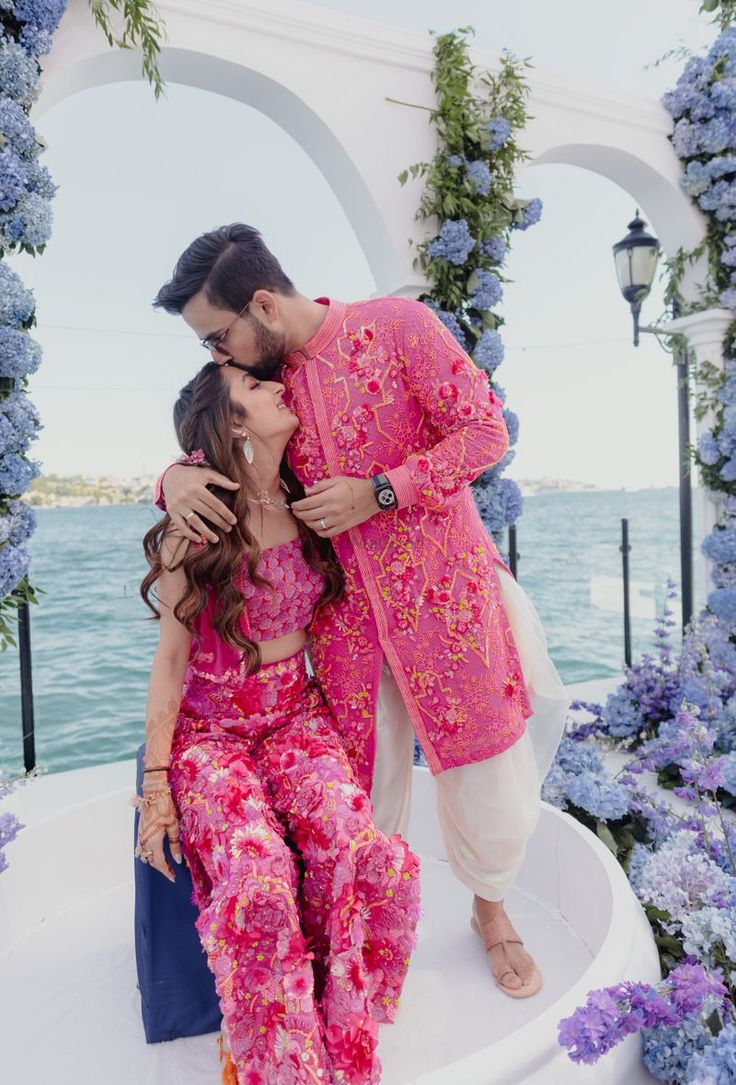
(383, 386)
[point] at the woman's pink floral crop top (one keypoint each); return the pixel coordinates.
(267, 613)
(290, 604)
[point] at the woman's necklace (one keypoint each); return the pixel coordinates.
(265, 500)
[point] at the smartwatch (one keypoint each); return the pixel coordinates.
(384, 491)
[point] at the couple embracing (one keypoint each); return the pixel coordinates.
(321, 513)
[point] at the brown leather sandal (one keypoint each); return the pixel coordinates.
(501, 929)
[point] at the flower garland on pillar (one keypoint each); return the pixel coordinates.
(26, 31)
(468, 194)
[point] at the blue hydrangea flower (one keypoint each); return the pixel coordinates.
(12, 179)
(512, 424)
(488, 291)
(19, 424)
(722, 602)
(489, 350)
(695, 180)
(16, 475)
(455, 160)
(18, 523)
(685, 138)
(708, 449)
(499, 503)
(453, 325)
(16, 128)
(599, 795)
(480, 175)
(40, 14)
(16, 302)
(39, 181)
(720, 545)
(622, 713)
(19, 354)
(728, 770)
(668, 1049)
(18, 73)
(29, 223)
(454, 242)
(715, 1062)
(500, 130)
(14, 562)
(495, 249)
(531, 214)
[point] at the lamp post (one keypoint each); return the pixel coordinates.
(635, 257)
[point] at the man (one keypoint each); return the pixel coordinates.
(395, 422)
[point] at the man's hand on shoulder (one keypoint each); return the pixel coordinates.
(188, 500)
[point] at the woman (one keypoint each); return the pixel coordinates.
(307, 913)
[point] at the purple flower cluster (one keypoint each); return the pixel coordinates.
(9, 826)
(612, 1013)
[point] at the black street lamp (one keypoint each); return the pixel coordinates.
(636, 257)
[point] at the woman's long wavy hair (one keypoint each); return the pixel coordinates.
(203, 418)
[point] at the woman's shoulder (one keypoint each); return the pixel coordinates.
(174, 546)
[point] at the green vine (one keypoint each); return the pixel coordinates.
(142, 27)
(466, 102)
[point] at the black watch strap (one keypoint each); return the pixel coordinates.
(384, 491)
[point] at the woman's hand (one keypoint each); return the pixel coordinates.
(158, 818)
(336, 504)
(188, 499)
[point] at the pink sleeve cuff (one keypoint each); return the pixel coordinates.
(158, 495)
(403, 485)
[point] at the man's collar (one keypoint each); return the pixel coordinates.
(324, 334)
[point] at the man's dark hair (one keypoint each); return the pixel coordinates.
(229, 264)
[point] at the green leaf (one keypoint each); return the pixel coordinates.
(606, 836)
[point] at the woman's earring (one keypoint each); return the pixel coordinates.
(248, 449)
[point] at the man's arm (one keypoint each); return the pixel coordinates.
(181, 490)
(460, 408)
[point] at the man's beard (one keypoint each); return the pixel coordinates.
(270, 347)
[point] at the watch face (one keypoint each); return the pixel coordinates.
(386, 497)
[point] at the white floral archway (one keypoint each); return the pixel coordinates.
(327, 78)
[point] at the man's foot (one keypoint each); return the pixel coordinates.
(513, 968)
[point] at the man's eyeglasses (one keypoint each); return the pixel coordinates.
(215, 342)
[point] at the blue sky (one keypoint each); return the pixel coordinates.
(139, 179)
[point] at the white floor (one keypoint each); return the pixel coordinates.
(70, 1008)
(76, 975)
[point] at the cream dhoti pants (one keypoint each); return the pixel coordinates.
(488, 809)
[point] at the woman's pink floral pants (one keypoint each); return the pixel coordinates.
(307, 913)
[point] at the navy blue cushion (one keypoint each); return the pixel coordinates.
(178, 996)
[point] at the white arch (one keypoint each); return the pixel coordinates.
(326, 78)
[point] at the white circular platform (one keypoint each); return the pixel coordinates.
(71, 1009)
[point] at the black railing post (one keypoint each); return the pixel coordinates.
(513, 552)
(26, 685)
(624, 548)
